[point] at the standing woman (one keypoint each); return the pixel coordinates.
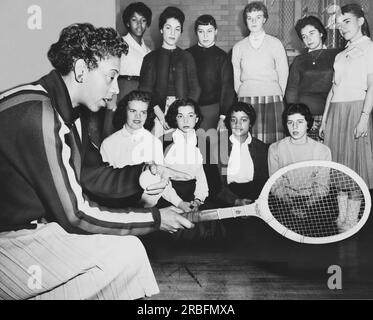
(215, 74)
(347, 120)
(311, 73)
(260, 69)
(136, 17)
(169, 72)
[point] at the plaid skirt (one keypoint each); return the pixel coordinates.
(268, 126)
(49, 263)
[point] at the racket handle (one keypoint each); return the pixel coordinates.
(199, 216)
(217, 214)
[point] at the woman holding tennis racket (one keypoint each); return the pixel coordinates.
(347, 121)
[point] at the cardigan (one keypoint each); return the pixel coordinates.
(43, 174)
(154, 75)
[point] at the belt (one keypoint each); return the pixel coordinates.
(125, 77)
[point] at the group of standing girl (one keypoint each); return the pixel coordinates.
(205, 87)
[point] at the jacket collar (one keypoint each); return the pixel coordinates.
(59, 95)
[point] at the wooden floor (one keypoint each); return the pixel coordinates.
(254, 262)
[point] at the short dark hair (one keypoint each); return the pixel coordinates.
(84, 41)
(254, 6)
(240, 106)
(311, 21)
(174, 110)
(120, 115)
(358, 12)
(294, 108)
(205, 20)
(140, 8)
(171, 12)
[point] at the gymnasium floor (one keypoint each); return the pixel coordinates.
(252, 261)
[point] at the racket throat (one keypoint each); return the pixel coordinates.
(237, 212)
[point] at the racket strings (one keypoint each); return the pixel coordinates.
(316, 201)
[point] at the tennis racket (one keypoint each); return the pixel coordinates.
(309, 202)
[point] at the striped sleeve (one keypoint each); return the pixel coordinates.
(65, 197)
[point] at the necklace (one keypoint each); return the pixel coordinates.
(318, 56)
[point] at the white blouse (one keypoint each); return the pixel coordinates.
(240, 164)
(184, 155)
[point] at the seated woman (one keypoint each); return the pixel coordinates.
(184, 116)
(245, 173)
(134, 144)
(297, 146)
(301, 190)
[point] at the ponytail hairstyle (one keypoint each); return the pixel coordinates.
(358, 12)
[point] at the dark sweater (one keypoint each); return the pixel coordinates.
(215, 76)
(41, 170)
(155, 70)
(310, 83)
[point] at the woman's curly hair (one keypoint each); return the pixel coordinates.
(84, 41)
(173, 110)
(237, 107)
(120, 115)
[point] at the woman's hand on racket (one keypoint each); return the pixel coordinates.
(195, 204)
(172, 221)
(185, 206)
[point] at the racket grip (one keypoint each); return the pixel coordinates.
(216, 214)
(200, 216)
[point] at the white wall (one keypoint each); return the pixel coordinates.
(23, 51)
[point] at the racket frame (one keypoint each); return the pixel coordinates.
(261, 209)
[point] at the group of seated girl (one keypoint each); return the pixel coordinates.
(245, 162)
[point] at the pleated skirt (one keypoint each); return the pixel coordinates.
(49, 263)
(356, 154)
(268, 126)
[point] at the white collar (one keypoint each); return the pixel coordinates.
(132, 42)
(361, 39)
(136, 133)
(180, 138)
(205, 47)
(235, 141)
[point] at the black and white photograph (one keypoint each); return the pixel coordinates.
(202, 152)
